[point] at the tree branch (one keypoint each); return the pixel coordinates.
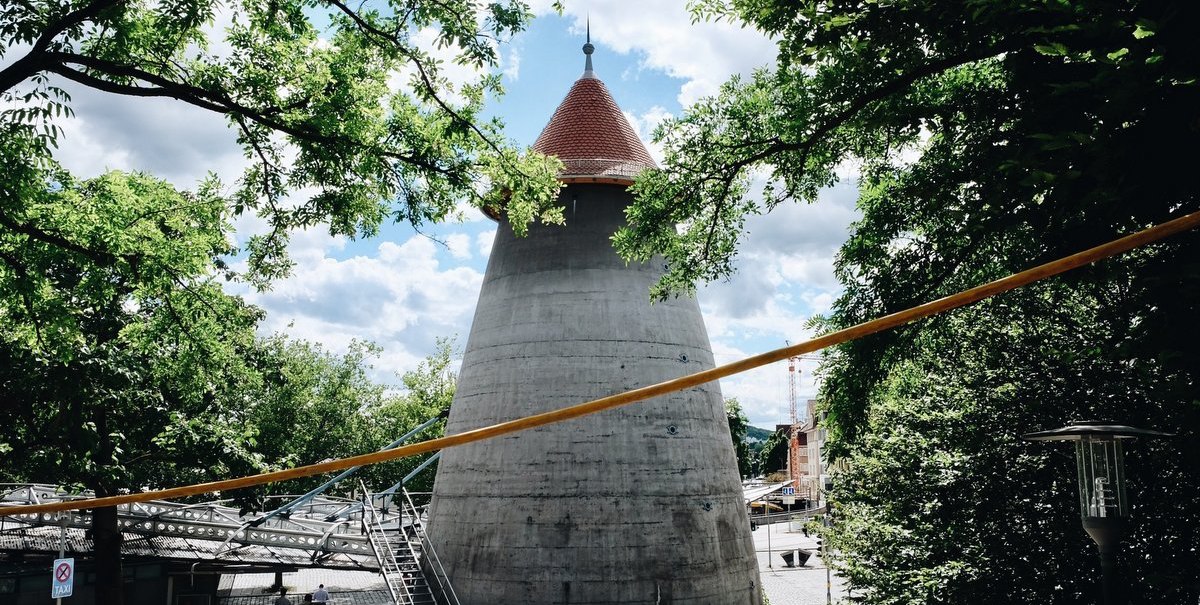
(267, 165)
(888, 89)
(23, 274)
(98, 256)
(426, 80)
(34, 61)
(199, 97)
(730, 172)
(171, 90)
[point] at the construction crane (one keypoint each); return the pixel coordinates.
(794, 434)
(794, 437)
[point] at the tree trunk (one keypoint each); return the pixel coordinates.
(106, 532)
(106, 550)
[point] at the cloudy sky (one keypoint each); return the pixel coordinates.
(404, 290)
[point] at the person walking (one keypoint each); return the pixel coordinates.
(321, 596)
(283, 600)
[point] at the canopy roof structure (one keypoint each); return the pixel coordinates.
(751, 493)
(217, 533)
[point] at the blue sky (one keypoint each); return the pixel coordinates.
(404, 290)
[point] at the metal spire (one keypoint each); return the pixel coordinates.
(588, 49)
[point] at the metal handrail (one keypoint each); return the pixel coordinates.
(411, 550)
(787, 515)
(435, 562)
(378, 540)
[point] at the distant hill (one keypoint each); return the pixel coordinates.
(756, 437)
(755, 433)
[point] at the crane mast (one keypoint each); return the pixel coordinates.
(794, 435)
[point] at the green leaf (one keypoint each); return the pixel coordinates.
(1052, 49)
(1144, 29)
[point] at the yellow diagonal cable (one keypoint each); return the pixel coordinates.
(966, 297)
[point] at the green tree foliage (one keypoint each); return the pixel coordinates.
(938, 498)
(125, 366)
(311, 405)
(311, 87)
(1058, 102)
(122, 356)
(773, 455)
(990, 136)
(738, 426)
(428, 390)
(113, 332)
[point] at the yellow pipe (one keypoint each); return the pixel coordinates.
(966, 297)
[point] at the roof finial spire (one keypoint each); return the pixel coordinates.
(588, 49)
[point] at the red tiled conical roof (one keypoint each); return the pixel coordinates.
(591, 136)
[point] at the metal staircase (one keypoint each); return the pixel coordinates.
(400, 545)
(419, 541)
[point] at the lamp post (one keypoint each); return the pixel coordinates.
(1103, 505)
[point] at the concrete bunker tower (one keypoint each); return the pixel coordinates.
(640, 504)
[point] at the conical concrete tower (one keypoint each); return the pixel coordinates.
(640, 504)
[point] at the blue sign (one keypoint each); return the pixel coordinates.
(62, 579)
(789, 491)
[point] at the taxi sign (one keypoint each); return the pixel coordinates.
(62, 578)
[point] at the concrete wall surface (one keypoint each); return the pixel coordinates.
(640, 504)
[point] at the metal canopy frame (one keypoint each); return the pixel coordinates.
(305, 528)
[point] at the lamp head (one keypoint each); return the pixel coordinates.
(1100, 462)
(1092, 429)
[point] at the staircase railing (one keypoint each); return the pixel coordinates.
(431, 560)
(393, 576)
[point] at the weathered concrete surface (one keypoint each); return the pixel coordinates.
(636, 505)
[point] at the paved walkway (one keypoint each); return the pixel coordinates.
(801, 585)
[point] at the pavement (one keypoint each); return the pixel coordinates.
(800, 585)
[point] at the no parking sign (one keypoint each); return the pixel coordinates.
(62, 579)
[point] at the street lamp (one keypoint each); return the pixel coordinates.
(1103, 504)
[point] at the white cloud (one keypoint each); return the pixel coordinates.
(465, 212)
(86, 155)
(310, 246)
(400, 297)
(459, 245)
(809, 270)
(820, 302)
(784, 277)
(644, 126)
(167, 138)
(763, 392)
(483, 242)
(510, 63)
